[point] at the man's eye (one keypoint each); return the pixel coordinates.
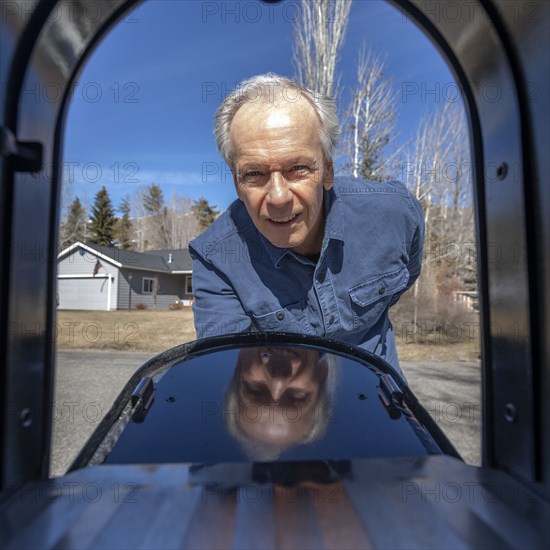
(252, 176)
(299, 168)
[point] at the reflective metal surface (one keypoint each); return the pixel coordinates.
(492, 48)
(479, 40)
(54, 39)
(530, 37)
(429, 502)
(276, 402)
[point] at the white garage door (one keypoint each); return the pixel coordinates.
(83, 293)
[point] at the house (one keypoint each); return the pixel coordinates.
(105, 278)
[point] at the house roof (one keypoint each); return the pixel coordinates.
(175, 259)
(152, 260)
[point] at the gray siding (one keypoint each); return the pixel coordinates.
(77, 264)
(171, 288)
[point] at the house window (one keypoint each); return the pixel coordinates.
(147, 287)
(188, 285)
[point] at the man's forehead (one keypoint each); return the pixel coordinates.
(278, 118)
(277, 112)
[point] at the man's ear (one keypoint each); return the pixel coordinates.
(329, 175)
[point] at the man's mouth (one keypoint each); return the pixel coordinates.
(288, 219)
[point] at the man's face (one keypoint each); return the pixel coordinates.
(280, 171)
(279, 390)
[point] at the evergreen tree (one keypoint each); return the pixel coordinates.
(153, 200)
(204, 212)
(157, 223)
(123, 227)
(372, 163)
(73, 229)
(103, 219)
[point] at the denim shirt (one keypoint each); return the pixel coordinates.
(371, 254)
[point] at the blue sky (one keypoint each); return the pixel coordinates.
(143, 106)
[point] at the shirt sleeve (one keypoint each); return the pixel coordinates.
(216, 308)
(416, 249)
(417, 245)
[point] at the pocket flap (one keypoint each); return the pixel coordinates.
(380, 287)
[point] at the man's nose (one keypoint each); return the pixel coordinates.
(277, 389)
(279, 192)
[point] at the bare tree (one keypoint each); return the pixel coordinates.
(370, 122)
(182, 225)
(319, 34)
(178, 226)
(139, 220)
(438, 171)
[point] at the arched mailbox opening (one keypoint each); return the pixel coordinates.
(508, 212)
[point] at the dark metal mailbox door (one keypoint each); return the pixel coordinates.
(278, 401)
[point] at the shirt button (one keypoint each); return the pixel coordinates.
(280, 315)
(381, 290)
(331, 320)
(321, 277)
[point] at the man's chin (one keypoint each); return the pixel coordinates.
(289, 243)
(281, 241)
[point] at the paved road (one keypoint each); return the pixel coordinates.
(451, 393)
(88, 382)
(86, 385)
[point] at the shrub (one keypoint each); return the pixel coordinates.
(141, 305)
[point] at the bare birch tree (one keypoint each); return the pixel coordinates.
(370, 122)
(319, 34)
(438, 171)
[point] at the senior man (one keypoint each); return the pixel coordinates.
(300, 250)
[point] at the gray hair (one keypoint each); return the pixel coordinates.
(262, 87)
(266, 452)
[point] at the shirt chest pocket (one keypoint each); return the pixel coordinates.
(371, 298)
(286, 319)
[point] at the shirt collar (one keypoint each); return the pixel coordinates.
(334, 226)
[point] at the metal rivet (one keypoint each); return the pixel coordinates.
(25, 418)
(361, 396)
(381, 290)
(280, 315)
(510, 412)
(502, 171)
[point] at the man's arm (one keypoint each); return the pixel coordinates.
(416, 250)
(217, 309)
(417, 246)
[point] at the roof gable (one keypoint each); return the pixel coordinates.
(152, 260)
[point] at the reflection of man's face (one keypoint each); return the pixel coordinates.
(277, 392)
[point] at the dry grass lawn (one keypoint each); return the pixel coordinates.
(138, 330)
(158, 331)
(460, 351)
